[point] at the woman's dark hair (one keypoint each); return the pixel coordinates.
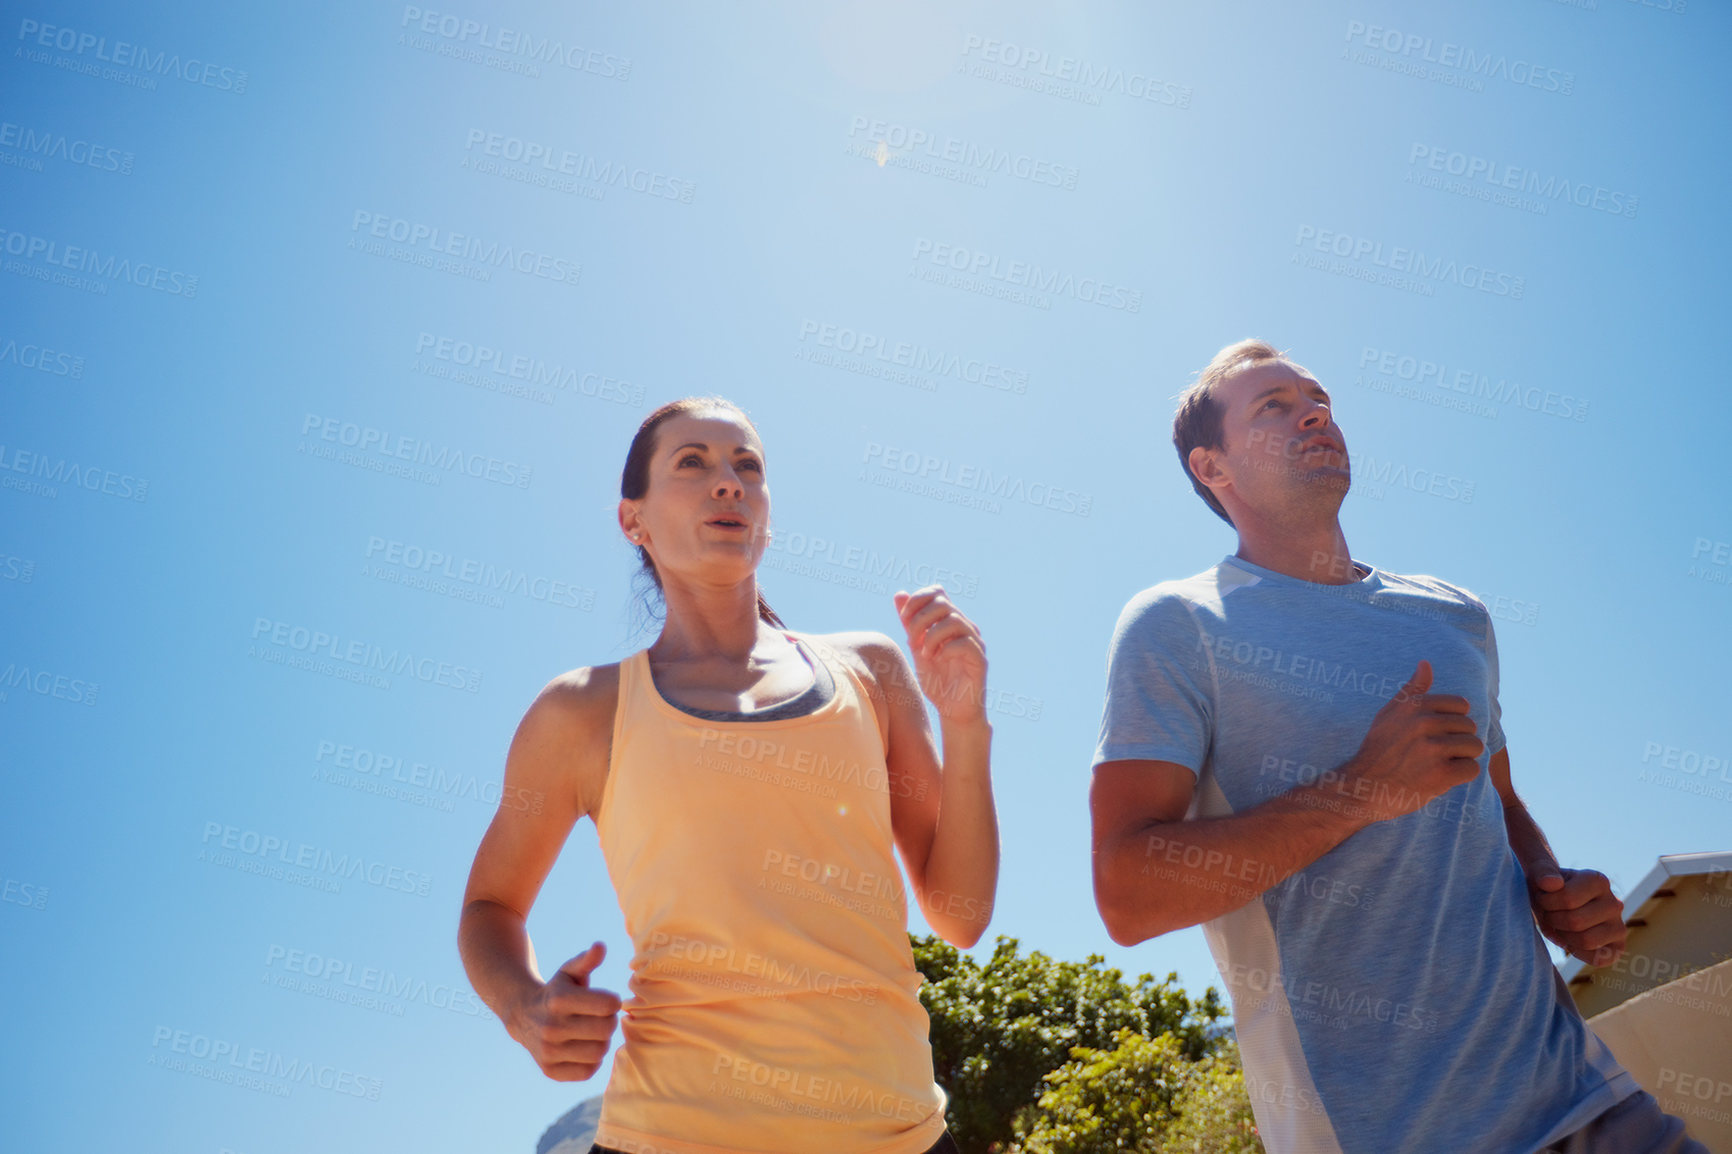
(634, 481)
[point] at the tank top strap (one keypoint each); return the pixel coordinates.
(843, 672)
(637, 708)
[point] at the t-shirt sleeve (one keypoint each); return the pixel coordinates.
(1494, 739)
(1160, 701)
(1485, 639)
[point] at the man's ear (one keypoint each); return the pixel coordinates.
(1207, 467)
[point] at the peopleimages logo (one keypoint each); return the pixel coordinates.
(15, 568)
(47, 683)
(363, 655)
(57, 470)
(48, 145)
(242, 1061)
(376, 766)
(908, 573)
(1377, 474)
(928, 469)
(426, 242)
(1371, 255)
(90, 262)
(917, 358)
(1075, 77)
(481, 358)
(1499, 176)
(34, 33)
(1017, 274)
(42, 359)
(15, 891)
(481, 575)
(320, 862)
(366, 439)
(555, 161)
(1470, 383)
(901, 140)
(514, 42)
(713, 963)
(345, 981)
(1411, 52)
(1687, 760)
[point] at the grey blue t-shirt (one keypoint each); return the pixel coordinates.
(1395, 995)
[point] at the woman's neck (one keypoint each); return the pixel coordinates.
(711, 623)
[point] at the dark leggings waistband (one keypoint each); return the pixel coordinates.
(945, 1145)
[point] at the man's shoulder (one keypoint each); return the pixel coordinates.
(1427, 585)
(1178, 605)
(1198, 588)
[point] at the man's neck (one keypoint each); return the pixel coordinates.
(1317, 554)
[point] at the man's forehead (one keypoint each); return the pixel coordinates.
(1262, 376)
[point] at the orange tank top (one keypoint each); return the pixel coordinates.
(773, 1003)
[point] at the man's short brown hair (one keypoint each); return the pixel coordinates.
(1198, 421)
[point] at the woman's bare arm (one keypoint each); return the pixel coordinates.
(554, 773)
(941, 803)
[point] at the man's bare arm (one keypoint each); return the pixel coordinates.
(1574, 908)
(1156, 872)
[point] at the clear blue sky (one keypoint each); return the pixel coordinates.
(961, 240)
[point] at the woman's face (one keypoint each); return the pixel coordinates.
(707, 508)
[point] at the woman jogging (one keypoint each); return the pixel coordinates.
(747, 783)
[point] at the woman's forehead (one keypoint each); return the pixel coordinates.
(717, 428)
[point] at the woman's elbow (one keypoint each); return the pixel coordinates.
(962, 923)
(962, 939)
(963, 936)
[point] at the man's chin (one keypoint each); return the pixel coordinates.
(1334, 476)
(1334, 482)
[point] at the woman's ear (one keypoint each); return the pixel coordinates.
(630, 523)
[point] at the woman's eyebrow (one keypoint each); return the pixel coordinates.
(706, 448)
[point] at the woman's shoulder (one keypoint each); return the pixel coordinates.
(871, 655)
(578, 701)
(565, 741)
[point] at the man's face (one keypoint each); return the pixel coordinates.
(1283, 447)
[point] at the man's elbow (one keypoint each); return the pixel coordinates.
(1133, 906)
(1124, 927)
(1125, 922)
(1126, 937)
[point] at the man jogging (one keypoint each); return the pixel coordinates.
(1303, 753)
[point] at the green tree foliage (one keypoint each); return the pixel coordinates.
(1141, 1097)
(1212, 1112)
(1107, 1101)
(1000, 1028)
